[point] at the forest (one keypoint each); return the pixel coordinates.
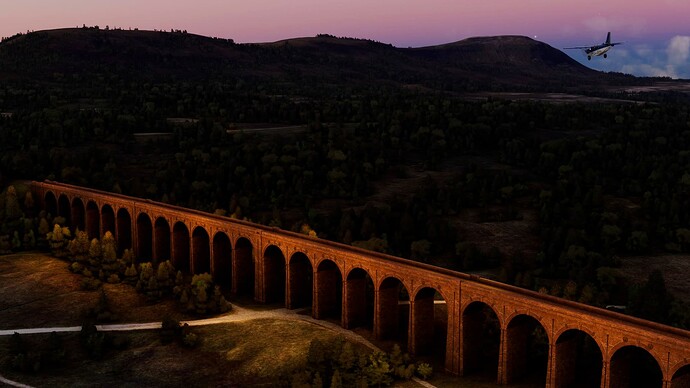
(382, 167)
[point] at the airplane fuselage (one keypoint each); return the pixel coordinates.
(598, 50)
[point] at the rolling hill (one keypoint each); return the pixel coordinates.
(484, 63)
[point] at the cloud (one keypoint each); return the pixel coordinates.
(678, 50)
(647, 70)
(643, 50)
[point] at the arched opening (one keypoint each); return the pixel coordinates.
(222, 259)
(301, 281)
(481, 341)
(181, 247)
(144, 238)
(430, 324)
(78, 219)
(108, 220)
(329, 291)
(359, 291)
(527, 351)
(634, 367)
(65, 209)
(393, 311)
(124, 230)
(161, 252)
(93, 220)
(578, 360)
(201, 257)
(243, 268)
(274, 275)
(681, 379)
(51, 204)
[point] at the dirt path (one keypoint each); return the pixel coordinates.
(238, 314)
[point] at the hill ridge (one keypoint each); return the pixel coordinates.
(485, 62)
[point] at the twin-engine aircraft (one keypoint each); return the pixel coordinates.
(600, 49)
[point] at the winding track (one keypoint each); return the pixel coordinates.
(238, 314)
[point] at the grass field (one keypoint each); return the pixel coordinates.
(39, 291)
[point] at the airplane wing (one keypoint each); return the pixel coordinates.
(577, 48)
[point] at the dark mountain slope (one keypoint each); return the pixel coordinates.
(512, 60)
(488, 63)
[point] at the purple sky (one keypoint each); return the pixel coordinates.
(656, 33)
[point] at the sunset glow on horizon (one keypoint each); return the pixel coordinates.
(648, 28)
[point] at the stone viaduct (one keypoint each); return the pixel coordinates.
(471, 322)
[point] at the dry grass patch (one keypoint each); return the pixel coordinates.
(265, 349)
(675, 269)
(39, 291)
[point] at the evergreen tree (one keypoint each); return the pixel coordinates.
(12, 209)
(58, 240)
(336, 381)
(95, 251)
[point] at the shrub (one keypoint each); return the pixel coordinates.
(424, 370)
(76, 267)
(90, 284)
(189, 339)
(112, 279)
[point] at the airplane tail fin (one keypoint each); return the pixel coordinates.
(608, 38)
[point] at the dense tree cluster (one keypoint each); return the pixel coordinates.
(98, 262)
(338, 364)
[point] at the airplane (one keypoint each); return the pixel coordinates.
(597, 50)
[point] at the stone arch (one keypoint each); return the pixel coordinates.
(222, 260)
(64, 209)
(124, 229)
(51, 203)
(93, 220)
(578, 360)
(180, 247)
(274, 275)
(526, 350)
(301, 281)
(144, 238)
(481, 339)
(392, 311)
(429, 323)
(243, 268)
(632, 366)
(681, 377)
(78, 214)
(359, 291)
(161, 238)
(108, 220)
(201, 251)
(329, 290)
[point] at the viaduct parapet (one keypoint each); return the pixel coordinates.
(471, 322)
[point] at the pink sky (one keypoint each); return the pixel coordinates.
(400, 22)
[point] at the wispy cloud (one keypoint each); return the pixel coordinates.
(678, 50)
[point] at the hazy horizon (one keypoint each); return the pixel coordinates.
(656, 35)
